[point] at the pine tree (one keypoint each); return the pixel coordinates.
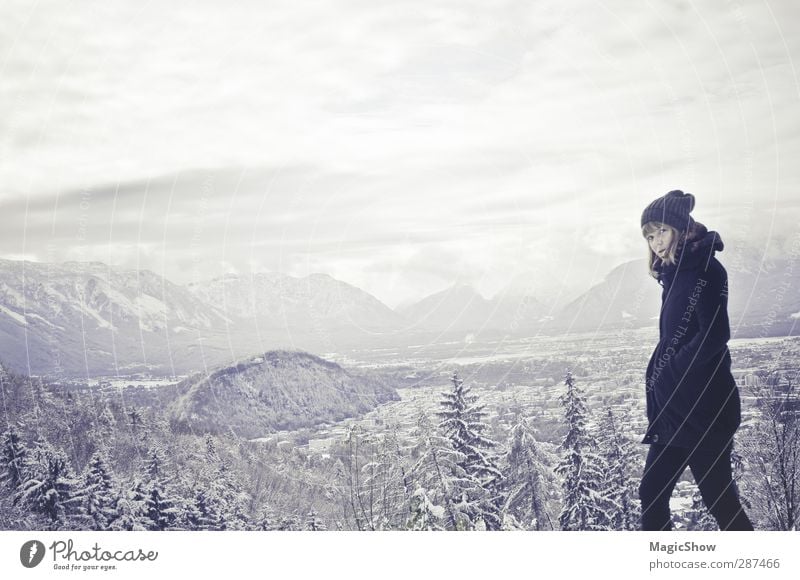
(232, 500)
(529, 482)
(129, 512)
(217, 499)
(161, 506)
(99, 495)
(585, 508)
(204, 511)
(621, 483)
(160, 509)
(462, 423)
(155, 463)
(13, 459)
(49, 487)
(105, 426)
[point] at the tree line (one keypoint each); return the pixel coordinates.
(71, 461)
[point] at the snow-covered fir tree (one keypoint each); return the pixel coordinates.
(202, 511)
(161, 507)
(585, 507)
(106, 424)
(49, 486)
(13, 459)
(155, 463)
(232, 500)
(462, 422)
(99, 493)
(621, 483)
(130, 508)
(529, 481)
(215, 497)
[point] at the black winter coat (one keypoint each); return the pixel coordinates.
(691, 393)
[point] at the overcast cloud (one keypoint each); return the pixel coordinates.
(398, 146)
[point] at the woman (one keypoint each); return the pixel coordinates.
(693, 405)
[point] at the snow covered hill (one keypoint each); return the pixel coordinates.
(276, 390)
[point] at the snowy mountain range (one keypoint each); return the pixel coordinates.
(274, 299)
(461, 308)
(81, 318)
(89, 318)
(761, 300)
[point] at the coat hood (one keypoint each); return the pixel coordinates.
(699, 247)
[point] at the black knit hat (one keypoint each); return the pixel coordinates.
(671, 209)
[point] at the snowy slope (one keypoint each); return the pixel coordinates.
(275, 390)
(274, 299)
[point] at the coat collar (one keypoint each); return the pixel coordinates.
(695, 252)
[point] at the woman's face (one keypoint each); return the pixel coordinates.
(660, 240)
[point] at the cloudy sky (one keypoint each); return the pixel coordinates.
(400, 146)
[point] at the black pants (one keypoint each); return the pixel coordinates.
(711, 467)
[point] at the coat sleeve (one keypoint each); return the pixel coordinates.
(713, 332)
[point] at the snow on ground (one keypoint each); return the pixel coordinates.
(15, 315)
